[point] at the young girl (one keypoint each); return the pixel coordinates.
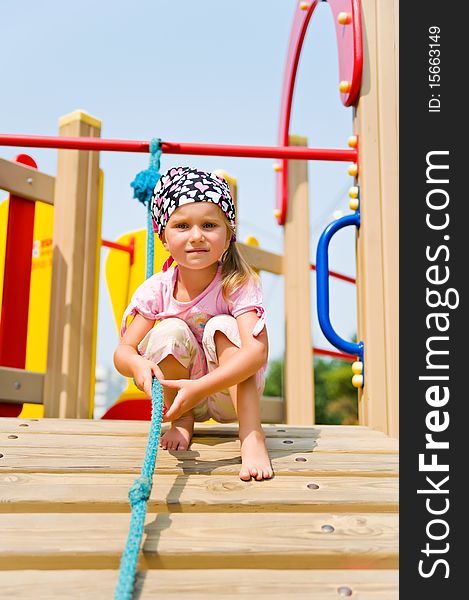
(210, 347)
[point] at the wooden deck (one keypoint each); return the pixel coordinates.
(325, 527)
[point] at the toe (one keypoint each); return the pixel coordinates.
(244, 475)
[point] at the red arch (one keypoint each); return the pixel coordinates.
(350, 52)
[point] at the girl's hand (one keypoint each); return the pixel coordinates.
(143, 371)
(188, 396)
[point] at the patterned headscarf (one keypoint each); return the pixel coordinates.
(184, 185)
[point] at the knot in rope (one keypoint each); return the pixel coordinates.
(145, 181)
(140, 490)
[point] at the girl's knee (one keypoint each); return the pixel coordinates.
(220, 326)
(169, 337)
(173, 327)
(225, 324)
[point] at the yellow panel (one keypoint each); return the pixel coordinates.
(3, 240)
(123, 279)
(31, 411)
(39, 296)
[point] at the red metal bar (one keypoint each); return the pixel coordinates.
(89, 143)
(337, 275)
(130, 248)
(16, 285)
(334, 354)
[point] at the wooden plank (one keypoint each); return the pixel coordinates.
(299, 381)
(224, 584)
(141, 428)
(195, 541)
(26, 182)
(95, 492)
(261, 259)
(272, 409)
(204, 444)
(71, 460)
(112, 460)
(18, 385)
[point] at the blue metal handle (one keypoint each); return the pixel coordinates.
(322, 285)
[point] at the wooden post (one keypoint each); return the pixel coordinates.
(299, 383)
(70, 362)
(376, 123)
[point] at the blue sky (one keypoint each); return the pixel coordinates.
(207, 72)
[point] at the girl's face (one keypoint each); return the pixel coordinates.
(196, 235)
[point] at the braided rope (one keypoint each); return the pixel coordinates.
(155, 150)
(150, 244)
(138, 497)
(143, 185)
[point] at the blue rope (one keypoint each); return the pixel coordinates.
(150, 244)
(145, 181)
(138, 496)
(143, 184)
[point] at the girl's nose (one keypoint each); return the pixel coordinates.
(196, 233)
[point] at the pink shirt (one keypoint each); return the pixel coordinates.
(154, 300)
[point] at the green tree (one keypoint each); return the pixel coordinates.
(336, 400)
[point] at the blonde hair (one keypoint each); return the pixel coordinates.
(235, 271)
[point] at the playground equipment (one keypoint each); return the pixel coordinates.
(125, 270)
(376, 239)
(66, 386)
(258, 257)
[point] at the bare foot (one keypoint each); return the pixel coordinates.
(180, 435)
(255, 459)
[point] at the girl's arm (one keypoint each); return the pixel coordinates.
(129, 362)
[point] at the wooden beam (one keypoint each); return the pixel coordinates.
(299, 383)
(378, 239)
(267, 540)
(84, 492)
(172, 583)
(18, 386)
(26, 182)
(70, 363)
(261, 259)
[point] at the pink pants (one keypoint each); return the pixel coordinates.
(173, 336)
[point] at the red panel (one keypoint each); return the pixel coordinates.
(349, 45)
(133, 410)
(350, 54)
(16, 284)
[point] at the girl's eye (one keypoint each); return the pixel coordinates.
(210, 225)
(180, 225)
